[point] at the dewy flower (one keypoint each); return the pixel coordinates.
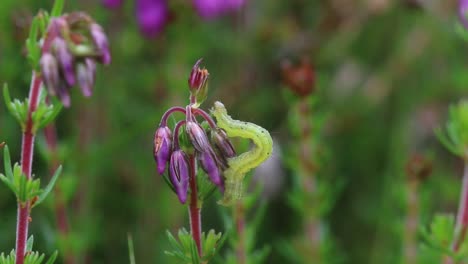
(76, 44)
(179, 174)
(462, 12)
(152, 16)
(162, 147)
(209, 165)
(210, 9)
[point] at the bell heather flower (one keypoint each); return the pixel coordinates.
(162, 147)
(209, 165)
(50, 72)
(152, 16)
(102, 45)
(85, 73)
(77, 43)
(65, 59)
(462, 12)
(197, 136)
(179, 174)
(210, 9)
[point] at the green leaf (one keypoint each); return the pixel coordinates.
(57, 8)
(8, 183)
(30, 243)
(50, 186)
(52, 258)
(7, 163)
(131, 249)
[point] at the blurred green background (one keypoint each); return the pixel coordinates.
(385, 73)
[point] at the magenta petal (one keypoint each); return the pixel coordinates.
(152, 16)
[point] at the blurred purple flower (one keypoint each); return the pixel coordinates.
(152, 16)
(112, 4)
(210, 9)
(462, 12)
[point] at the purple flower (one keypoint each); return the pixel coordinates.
(50, 72)
(462, 12)
(222, 143)
(162, 147)
(65, 59)
(210, 9)
(102, 44)
(152, 16)
(197, 136)
(112, 4)
(85, 73)
(179, 174)
(208, 163)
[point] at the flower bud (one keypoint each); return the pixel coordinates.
(65, 59)
(208, 163)
(222, 143)
(85, 73)
(102, 45)
(162, 147)
(50, 73)
(179, 174)
(198, 82)
(197, 136)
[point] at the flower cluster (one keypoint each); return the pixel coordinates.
(209, 146)
(73, 46)
(154, 15)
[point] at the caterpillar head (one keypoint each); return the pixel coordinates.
(219, 108)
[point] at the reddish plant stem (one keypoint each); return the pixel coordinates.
(307, 171)
(27, 150)
(59, 206)
(194, 206)
(411, 223)
(239, 215)
(462, 216)
(169, 113)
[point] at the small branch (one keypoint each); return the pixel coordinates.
(195, 206)
(239, 215)
(27, 150)
(170, 112)
(206, 116)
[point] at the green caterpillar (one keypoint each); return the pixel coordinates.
(240, 165)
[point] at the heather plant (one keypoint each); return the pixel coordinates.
(62, 50)
(179, 152)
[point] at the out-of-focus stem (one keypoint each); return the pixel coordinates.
(411, 223)
(27, 150)
(59, 206)
(307, 172)
(194, 206)
(239, 216)
(462, 216)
